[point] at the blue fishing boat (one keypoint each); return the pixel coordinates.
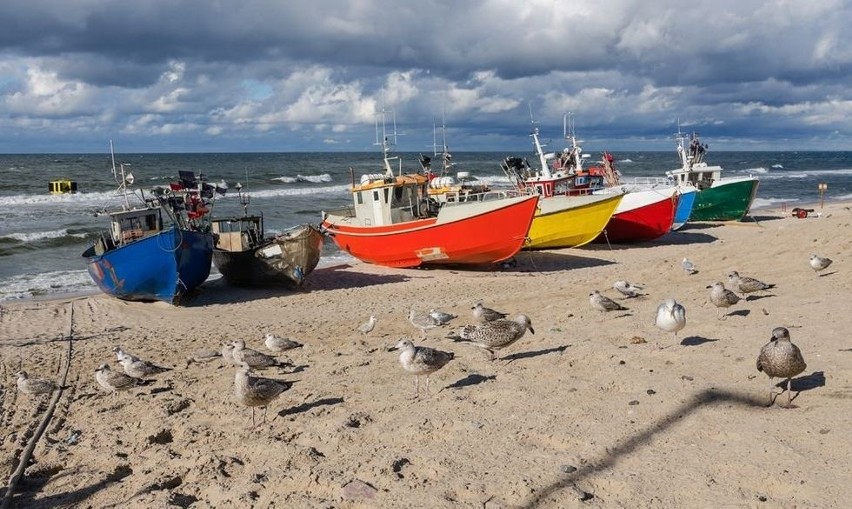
(686, 199)
(158, 251)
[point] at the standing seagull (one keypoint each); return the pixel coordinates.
(113, 381)
(368, 326)
(496, 335)
(421, 360)
(780, 358)
(228, 352)
(253, 391)
(745, 284)
(422, 321)
(627, 289)
(121, 354)
(722, 298)
(819, 263)
(603, 303)
(671, 317)
(29, 385)
(484, 314)
(688, 266)
(278, 344)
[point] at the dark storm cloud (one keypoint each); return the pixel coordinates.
(235, 73)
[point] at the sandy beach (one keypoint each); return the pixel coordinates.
(584, 413)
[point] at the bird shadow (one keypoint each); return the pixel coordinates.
(304, 407)
(739, 312)
(296, 369)
(534, 353)
(752, 298)
(470, 380)
(827, 273)
(696, 341)
(805, 383)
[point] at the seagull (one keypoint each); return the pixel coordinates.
(441, 317)
(278, 344)
(139, 368)
(484, 314)
(228, 352)
(603, 303)
(819, 263)
(253, 358)
(722, 298)
(421, 360)
(688, 266)
(496, 335)
(627, 289)
(747, 284)
(122, 354)
(254, 391)
(422, 321)
(204, 355)
(29, 385)
(113, 381)
(368, 326)
(671, 317)
(780, 358)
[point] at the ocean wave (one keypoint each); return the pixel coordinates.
(762, 203)
(778, 166)
(274, 193)
(27, 286)
(759, 170)
(316, 179)
(38, 236)
(625, 161)
(63, 200)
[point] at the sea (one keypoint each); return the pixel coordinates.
(43, 236)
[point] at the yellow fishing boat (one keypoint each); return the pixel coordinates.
(570, 221)
(62, 186)
(567, 215)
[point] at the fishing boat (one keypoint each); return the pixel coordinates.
(569, 214)
(62, 186)
(246, 256)
(718, 198)
(392, 221)
(159, 250)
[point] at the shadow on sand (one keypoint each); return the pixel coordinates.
(611, 454)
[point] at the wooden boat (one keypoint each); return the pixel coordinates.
(392, 222)
(246, 256)
(62, 186)
(568, 215)
(718, 198)
(159, 251)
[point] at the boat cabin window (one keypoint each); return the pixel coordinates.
(561, 188)
(359, 199)
(376, 195)
(387, 194)
(539, 189)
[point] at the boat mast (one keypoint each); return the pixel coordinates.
(570, 134)
(386, 144)
(125, 178)
(685, 158)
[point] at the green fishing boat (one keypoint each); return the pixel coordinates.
(718, 198)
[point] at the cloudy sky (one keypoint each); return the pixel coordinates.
(288, 75)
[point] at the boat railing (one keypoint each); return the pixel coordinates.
(647, 181)
(460, 198)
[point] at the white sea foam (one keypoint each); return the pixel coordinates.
(37, 236)
(777, 166)
(318, 179)
(27, 286)
(763, 203)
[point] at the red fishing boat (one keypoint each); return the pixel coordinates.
(393, 222)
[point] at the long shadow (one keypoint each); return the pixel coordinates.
(672, 238)
(827, 273)
(30, 487)
(696, 341)
(805, 383)
(304, 407)
(551, 260)
(535, 353)
(470, 380)
(614, 453)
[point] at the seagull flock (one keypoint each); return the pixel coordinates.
(492, 332)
